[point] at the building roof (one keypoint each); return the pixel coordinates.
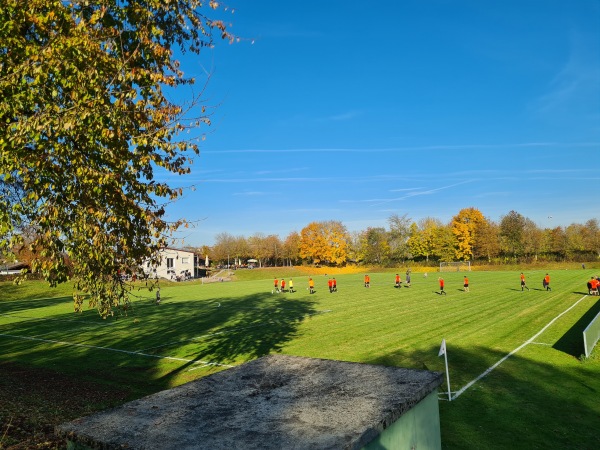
(270, 403)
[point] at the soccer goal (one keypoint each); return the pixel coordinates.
(455, 266)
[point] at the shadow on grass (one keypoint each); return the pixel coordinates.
(15, 306)
(572, 341)
(522, 404)
(120, 351)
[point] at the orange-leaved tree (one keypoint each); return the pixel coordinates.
(464, 228)
(324, 242)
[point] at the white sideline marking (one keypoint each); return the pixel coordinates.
(529, 341)
(171, 358)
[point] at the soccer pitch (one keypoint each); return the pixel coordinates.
(514, 366)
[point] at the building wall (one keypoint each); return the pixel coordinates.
(172, 260)
(418, 428)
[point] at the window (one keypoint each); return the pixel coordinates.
(169, 263)
(185, 260)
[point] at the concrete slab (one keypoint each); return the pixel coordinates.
(273, 402)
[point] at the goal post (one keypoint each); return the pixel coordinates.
(455, 266)
(591, 335)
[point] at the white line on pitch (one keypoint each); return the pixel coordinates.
(529, 341)
(127, 352)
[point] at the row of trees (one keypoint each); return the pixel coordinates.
(469, 236)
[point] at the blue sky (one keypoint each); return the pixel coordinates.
(355, 110)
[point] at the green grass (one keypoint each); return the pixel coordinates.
(544, 396)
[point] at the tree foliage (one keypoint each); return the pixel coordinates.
(512, 229)
(464, 227)
(428, 239)
(324, 242)
(291, 248)
(423, 235)
(86, 125)
(399, 234)
(374, 248)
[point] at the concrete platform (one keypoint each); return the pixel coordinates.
(275, 402)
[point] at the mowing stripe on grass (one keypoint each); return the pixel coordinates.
(94, 347)
(228, 331)
(527, 342)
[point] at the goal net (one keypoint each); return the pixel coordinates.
(455, 266)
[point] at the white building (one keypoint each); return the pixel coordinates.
(174, 264)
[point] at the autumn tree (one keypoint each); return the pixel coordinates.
(574, 234)
(241, 249)
(444, 243)
(324, 242)
(375, 248)
(203, 252)
(487, 245)
(464, 227)
(274, 249)
(354, 246)
(87, 125)
(557, 242)
(259, 248)
(533, 239)
(398, 235)
(291, 247)
(423, 235)
(224, 247)
(512, 228)
(591, 237)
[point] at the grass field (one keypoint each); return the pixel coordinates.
(545, 395)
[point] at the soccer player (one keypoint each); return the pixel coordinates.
(442, 291)
(334, 285)
(330, 285)
(547, 282)
(398, 281)
(276, 285)
(282, 285)
(311, 285)
(523, 285)
(593, 286)
(466, 284)
(407, 284)
(291, 285)
(367, 281)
